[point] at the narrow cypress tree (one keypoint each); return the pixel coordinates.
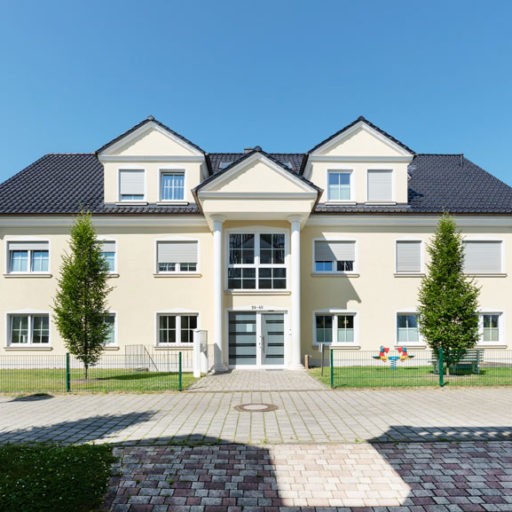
(80, 303)
(448, 310)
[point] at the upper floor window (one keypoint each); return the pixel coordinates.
(177, 256)
(28, 329)
(176, 328)
(108, 251)
(408, 257)
(380, 185)
(334, 328)
(490, 327)
(339, 186)
(27, 256)
(256, 261)
(172, 186)
(131, 185)
(334, 256)
(482, 257)
(407, 328)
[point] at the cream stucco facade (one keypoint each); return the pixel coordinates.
(258, 285)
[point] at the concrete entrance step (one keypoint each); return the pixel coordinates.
(257, 380)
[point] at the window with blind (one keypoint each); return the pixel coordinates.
(380, 185)
(108, 251)
(131, 185)
(408, 257)
(176, 256)
(490, 327)
(26, 257)
(482, 257)
(334, 256)
(407, 330)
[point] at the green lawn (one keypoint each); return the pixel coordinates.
(374, 377)
(100, 380)
(53, 478)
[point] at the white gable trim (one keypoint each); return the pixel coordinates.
(139, 132)
(361, 125)
(163, 158)
(257, 157)
(378, 159)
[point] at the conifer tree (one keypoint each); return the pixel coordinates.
(448, 310)
(80, 303)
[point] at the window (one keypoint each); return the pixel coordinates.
(380, 186)
(334, 256)
(407, 328)
(110, 320)
(338, 186)
(172, 186)
(334, 328)
(28, 329)
(490, 327)
(176, 328)
(27, 256)
(176, 256)
(108, 251)
(482, 257)
(257, 261)
(131, 185)
(408, 257)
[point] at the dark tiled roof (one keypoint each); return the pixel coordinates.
(369, 123)
(68, 183)
(150, 119)
(219, 161)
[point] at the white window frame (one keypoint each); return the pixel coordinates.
(350, 172)
(115, 342)
(488, 240)
(334, 314)
(30, 316)
(501, 323)
(160, 190)
(28, 271)
(391, 200)
(257, 231)
(355, 266)
(144, 192)
(420, 342)
(178, 270)
(422, 256)
(177, 315)
(110, 240)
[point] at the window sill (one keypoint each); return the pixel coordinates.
(340, 346)
(12, 348)
(11, 275)
(487, 275)
(111, 348)
(113, 275)
(165, 203)
(131, 203)
(334, 274)
(179, 274)
(411, 346)
(348, 202)
(490, 344)
(381, 203)
(409, 274)
(170, 346)
(257, 292)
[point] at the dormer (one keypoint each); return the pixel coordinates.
(360, 164)
(151, 164)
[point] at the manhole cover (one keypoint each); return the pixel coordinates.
(256, 407)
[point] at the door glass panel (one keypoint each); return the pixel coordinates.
(242, 339)
(273, 338)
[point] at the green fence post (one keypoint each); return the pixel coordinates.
(68, 376)
(441, 367)
(331, 364)
(180, 375)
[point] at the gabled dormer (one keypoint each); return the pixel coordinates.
(361, 163)
(151, 164)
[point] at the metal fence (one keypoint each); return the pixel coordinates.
(353, 369)
(133, 371)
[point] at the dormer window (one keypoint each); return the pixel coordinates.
(338, 186)
(172, 186)
(131, 185)
(380, 186)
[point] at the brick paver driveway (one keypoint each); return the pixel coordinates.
(302, 445)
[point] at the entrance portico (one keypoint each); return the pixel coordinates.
(256, 209)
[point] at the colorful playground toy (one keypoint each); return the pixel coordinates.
(383, 355)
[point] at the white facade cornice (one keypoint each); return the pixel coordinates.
(152, 158)
(257, 195)
(379, 159)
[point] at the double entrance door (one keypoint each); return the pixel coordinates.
(256, 339)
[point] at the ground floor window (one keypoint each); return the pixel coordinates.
(407, 328)
(490, 327)
(173, 328)
(110, 320)
(28, 329)
(334, 328)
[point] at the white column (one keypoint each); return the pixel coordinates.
(217, 295)
(295, 360)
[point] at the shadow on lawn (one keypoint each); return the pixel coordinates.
(130, 376)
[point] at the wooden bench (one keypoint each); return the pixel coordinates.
(469, 363)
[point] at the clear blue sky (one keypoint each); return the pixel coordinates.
(230, 74)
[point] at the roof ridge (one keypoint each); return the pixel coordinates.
(439, 154)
